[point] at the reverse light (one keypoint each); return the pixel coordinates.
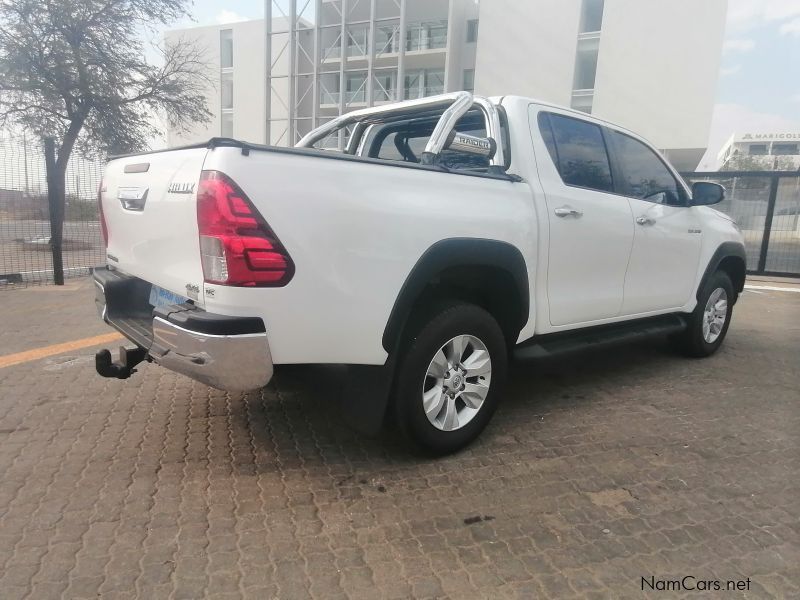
(237, 247)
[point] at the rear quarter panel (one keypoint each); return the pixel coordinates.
(355, 231)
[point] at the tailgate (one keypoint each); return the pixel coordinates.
(149, 204)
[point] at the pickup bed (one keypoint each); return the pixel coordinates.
(440, 239)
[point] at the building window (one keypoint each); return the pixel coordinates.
(227, 125)
(758, 149)
(383, 86)
(227, 90)
(583, 101)
(434, 82)
(472, 31)
(226, 48)
(585, 68)
(469, 80)
(591, 16)
(430, 35)
(387, 40)
(412, 88)
(423, 82)
(356, 88)
(357, 42)
(329, 88)
(784, 149)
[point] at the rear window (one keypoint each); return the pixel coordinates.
(578, 151)
(406, 141)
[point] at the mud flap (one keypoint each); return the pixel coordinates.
(366, 396)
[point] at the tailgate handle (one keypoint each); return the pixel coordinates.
(132, 198)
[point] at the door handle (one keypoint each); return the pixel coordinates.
(568, 211)
(645, 221)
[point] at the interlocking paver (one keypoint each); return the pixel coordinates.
(599, 469)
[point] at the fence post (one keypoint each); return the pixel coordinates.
(56, 206)
(773, 194)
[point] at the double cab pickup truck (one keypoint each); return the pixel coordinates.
(425, 244)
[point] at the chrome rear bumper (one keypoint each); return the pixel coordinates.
(226, 362)
(228, 353)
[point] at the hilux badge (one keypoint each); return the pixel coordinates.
(180, 188)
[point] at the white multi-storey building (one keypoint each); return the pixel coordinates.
(235, 81)
(650, 66)
(350, 54)
(776, 151)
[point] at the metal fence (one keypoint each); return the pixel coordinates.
(26, 254)
(766, 206)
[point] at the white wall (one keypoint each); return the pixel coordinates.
(527, 48)
(206, 38)
(249, 38)
(460, 54)
(658, 66)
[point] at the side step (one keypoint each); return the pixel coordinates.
(591, 337)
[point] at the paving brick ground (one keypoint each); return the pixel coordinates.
(596, 471)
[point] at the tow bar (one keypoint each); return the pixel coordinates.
(122, 369)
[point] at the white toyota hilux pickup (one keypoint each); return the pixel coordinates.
(447, 236)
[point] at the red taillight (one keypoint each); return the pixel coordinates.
(237, 246)
(103, 225)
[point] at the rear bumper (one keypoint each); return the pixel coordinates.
(228, 353)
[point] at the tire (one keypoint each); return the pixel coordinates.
(706, 331)
(460, 396)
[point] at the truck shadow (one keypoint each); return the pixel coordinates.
(296, 420)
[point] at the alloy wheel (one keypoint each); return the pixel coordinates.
(457, 382)
(714, 315)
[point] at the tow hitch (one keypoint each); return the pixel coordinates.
(122, 369)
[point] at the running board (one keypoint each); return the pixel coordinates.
(617, 333)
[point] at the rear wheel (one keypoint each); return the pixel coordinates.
(449, 377)
(709, 322)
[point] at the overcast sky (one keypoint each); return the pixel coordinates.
(759, 86)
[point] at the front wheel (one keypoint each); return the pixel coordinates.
(449, 378)
(708, 324)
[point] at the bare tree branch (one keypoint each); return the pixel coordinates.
(75, 71)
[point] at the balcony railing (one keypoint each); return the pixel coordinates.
(423, 35)
(350, 97)
(356, 96)
(429, 35)
(326, 97)
(357, 44)
(383, 94)
(413, 93)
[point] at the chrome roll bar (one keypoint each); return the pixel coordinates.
(456, 105)
(494, 129)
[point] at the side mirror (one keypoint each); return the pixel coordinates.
(705, 193)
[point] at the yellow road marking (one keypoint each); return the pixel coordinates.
(44, 352)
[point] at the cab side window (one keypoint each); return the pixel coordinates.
(578, 151)
(644, 175)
